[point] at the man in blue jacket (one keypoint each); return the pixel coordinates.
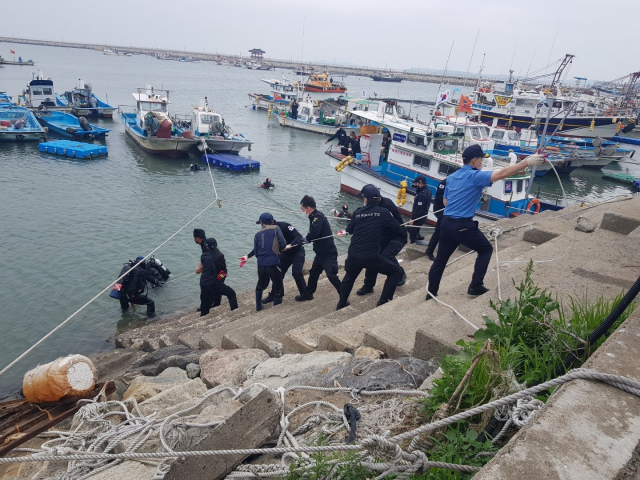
(267, 245)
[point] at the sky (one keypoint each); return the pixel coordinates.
(393, 34)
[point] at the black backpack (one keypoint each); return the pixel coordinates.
(121, 286)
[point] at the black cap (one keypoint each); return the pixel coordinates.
(471, 152)
(198, 233)
(420, 178)
(370, 191)
(211, 243)
(265, 218)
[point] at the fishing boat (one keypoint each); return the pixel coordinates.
(315, 116)
(432, 151)
(189, 60)
(282, 93)
(20, 62)
(85, 103)
(68, 125)
(39, 94)
(18, 124)
(209, 128)
(323, 82)
(150, 126)
(387, 77)
(108, 51)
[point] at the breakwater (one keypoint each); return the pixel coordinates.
(277, 63)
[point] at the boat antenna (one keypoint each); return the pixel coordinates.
(302, 46)
(513, 57)
(529, 68)
(553, 44)
(471, 58)
(446, 66)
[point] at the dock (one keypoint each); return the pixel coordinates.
(73, 149)
(235, 163)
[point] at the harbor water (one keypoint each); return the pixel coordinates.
(68, 225)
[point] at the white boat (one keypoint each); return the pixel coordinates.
(317, 117)
(282, 93)
(151, 128)
(209, 128)
(431, 151)
(108, 51)
(85, 103)
(40, 94)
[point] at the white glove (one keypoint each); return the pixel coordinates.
(288, 247)
(535, 160)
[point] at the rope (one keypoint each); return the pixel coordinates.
(396, 460)
(30, 349)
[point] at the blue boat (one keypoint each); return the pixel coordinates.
(85, 103)
(70, 126)
(18, 124)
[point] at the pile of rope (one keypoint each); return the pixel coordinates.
(95, 433)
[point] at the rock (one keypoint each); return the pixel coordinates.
(228, 367)
(404, 372)
(142, 388)
(208, 341)
(193, 370)
(251, 426)
(157, 361)
(127, 469)
(585, 225)
(165, 341)
(150, 345)
(427, 385)
(366, 353)
(190, 339)
(250, 392)
(170, 397)
(276, 372)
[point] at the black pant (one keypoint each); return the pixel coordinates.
(353, 267)
(433, 241)
(389, 251)
(273, 273)
(452, 234)
(414, 231)
(137, 299)
(328, 264)
(212, 293)
(295, 260)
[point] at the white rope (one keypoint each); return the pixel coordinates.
(30, 349)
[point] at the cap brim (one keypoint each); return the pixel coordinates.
(258, 222)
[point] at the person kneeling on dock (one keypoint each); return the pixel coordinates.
(213, 271)
(461, 195)
(367, 227)
(267, 245)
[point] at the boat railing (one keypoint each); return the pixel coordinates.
(126, 109)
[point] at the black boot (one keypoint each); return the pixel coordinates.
(402, 280)
(277, 301)
(268, 299)
(258, 300)
(340, 307)
(364, 291)
(304, 297)
(477, 290)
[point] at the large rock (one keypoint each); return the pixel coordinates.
(276, 372)
(159, 360)
(228, 367)
(125, 470)
(404, 372)
(173, 396)
(142, 388)
(250, 427)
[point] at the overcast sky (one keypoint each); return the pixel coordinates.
(398, 34)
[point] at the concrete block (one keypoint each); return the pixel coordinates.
(538, 235)
(190, 339)
(228, 367)
(249, 427)
(587, 429)
(619, 223)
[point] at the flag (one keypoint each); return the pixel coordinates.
(12, 52)
(277, 96)
(443, 97)
(465, 104)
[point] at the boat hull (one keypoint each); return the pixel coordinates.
(21, 136)
(314, 127)
(93, 112)
(167, 147)
(310, 88)
(226, 146)
(384, 79)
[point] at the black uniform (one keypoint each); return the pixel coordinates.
(326, 253)
(212, 287)
(294, 110)
(367, 227)
(354, 145)
(390, 245)
(421, 203)
(343, 139)
(134, 288)
(438, 209)
(294, 257)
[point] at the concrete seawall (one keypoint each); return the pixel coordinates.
(211, 57)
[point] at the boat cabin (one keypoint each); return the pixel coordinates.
(39, 92)
(151, 102)
(81, 95)
(206, 121)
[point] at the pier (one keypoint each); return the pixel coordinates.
(277, 63)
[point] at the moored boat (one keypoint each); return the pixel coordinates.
(209, 127)
(323, 83)
(68, 125)
(39, 94)
(18, 124)
(150, 126)
(85, 103)
(314, 116)
(282, 93)
(387, 77)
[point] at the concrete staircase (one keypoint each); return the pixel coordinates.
(588, 264)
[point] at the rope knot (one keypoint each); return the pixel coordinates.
(525, 410)
(380, 447)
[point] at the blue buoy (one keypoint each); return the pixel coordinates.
(73, 149)
(235, 163)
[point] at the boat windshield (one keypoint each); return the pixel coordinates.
(153, 107)
(210, 119)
